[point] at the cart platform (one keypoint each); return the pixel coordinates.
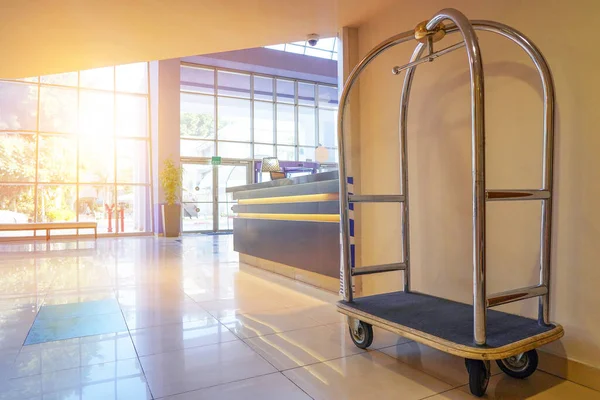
(448, 325)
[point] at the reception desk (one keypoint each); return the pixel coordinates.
(291, 227)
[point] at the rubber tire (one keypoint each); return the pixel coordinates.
(367, 340)
(530, 367)
(479, 377)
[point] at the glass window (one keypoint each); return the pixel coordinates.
(96, 113)
(263, 122)
(234, 119)
(132, 78)
(318, 53)
(292, 48)
(263, 150)
(30, 79)
(57, 203)
(94, 203)
(197, 217)
(18, 106)
(328, 96)
(286, 125)
(17, 157)
(132, 115)
(99, 78)
(333, 155)
(280, 47)
(197, 148)
(234, 84)
(285, 91)
(197, 183)
(328, 44)
(74, 145)
(286, 153)
(200, 80)
(58, 110)
(306, 126)
(306, 93)
(17, 204)
(133, 206)
(325, 48)
(263, 88)
(328, 128)
(64, 79)
(132, 161)
(306, 154)
(57, 157)
(197, 116)
(235, 150)
(252, 125)
(96, 159)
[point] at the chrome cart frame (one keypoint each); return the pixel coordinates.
(515, 353)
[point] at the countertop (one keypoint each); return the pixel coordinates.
(323, 176)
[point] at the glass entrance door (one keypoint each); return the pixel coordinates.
(206, 206)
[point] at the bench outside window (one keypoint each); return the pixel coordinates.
(48, 226)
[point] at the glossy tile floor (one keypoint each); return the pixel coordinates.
(199, 327)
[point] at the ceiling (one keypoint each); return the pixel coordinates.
(39, 37)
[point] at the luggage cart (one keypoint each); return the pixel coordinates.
(473, 332)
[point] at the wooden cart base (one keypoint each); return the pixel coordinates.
(448, 325)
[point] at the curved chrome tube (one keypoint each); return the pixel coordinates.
(478, 162)
(344, 207)
(541, 65)
(548, 135)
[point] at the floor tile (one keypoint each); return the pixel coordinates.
(444, 366)
(219, 308)
(47, 330)
(117, 380)
(267, 387)
(73, 353)
(22, 302)
(539, 386)
(324, 313)
(27, 388)
(199, 367)
(304, 346)
(76, 296)
(7, 359)
(172, 293)
(14, 327)
(383, 338)
(145, 317)
(163, 338)
(267, 322)
(370, 375)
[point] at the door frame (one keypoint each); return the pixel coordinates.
(215, 187)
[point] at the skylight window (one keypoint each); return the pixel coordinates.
(325, 48)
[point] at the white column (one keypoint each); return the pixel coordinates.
(165, 101)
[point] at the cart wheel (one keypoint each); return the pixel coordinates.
(361, 334)
(521, 365)
(479, 376)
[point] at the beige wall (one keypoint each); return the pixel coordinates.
(439, 160)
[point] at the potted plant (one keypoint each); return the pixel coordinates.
(171, 178)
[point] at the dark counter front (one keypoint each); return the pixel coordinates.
(294, 222)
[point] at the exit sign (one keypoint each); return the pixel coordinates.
(215, 160)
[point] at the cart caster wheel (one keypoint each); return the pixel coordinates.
(361, 334)
(479, 376)
(519, 366)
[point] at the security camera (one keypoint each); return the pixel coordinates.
(312, 39)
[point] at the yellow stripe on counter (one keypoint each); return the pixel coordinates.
(292, 217)
(305, 198)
